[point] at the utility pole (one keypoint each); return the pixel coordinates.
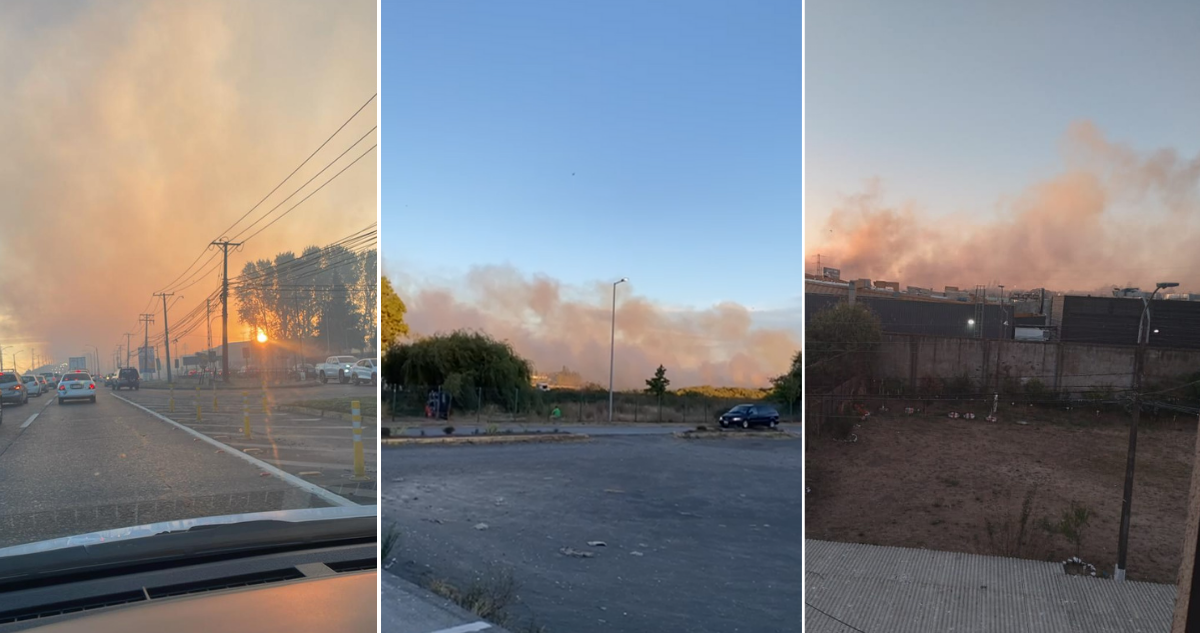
(225, 244)
(166, 331)
(146, 319)
(127, 347)
(1138, 361)
(208, 322)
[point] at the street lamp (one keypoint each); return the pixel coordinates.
(612, 347)
(2, 348)
(1138, 359)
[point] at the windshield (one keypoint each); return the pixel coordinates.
(346, 359)
(196, 221)
(741, 408)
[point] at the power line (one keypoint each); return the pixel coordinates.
(833, 617)
(334, 177)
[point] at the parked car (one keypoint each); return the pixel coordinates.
(365, 372)
(12, 389)
(32, 386)
(340, 366)
(76, 385)
(748, 415)
(128, 378)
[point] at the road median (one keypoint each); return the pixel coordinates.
(716, 434)
(488, 439)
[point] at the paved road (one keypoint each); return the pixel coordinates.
(318, 449)
(81, 467)
(700, 536)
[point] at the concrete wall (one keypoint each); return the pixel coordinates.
(1060, 366)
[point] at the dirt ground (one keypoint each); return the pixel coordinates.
(927, 481)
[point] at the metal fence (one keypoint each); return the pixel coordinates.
(491, 405)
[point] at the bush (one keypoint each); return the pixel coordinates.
(448, 430)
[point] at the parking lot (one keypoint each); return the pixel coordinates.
(699, 536)
(318, 449)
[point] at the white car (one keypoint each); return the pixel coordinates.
(76, 385)
(32, 385)
(365, 372)
(338, 367)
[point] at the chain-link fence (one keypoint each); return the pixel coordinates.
(532, 405)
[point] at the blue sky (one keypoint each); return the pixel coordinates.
(589, 141)
(958, 107)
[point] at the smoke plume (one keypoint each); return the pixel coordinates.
(134, 133)
(555, 325)
(1112, 216)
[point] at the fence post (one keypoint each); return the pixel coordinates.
(246, 414)
(395, 396)
(171, 401)
(478, 403)
(198, 416)
(516, 402)
(660, 408)
(360, 470)
(214, 390)
(581, 406)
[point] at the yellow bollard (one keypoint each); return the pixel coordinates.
(245, 414)
(360, 469)
(214, 395)
(197, 397)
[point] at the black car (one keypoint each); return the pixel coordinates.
(748, 415)
(128, 379)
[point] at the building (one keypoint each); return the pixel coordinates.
(1114, 321)
(931, 318)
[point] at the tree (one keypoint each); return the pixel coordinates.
(658, 384)
(790, 386)
(392, 311)
(841, 342)
(464, 364)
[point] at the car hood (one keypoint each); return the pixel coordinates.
(152, 529)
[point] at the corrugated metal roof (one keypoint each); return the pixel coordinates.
(900, 590)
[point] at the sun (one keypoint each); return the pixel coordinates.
(262, 336)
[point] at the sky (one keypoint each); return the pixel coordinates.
(1025, 143)
(136, 132)
(564, 146)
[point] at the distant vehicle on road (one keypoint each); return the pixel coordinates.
(12, 389)
(365, 372)
(128, 378)
(748, 415)
(76, 385)
(340, 366)
(32, 386)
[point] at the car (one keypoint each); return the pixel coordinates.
(32, 386)
(748, 415)
(12, 389)
(46, 386)
(364, 372)
(340, 366)
(128, 378)
(76, 385)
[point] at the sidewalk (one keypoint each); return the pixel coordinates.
(407, 608)
(851, 587)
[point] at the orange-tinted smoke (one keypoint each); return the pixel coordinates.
(1111, 217)
(136, 132)
(555, 326)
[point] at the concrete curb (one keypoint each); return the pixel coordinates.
(488, 439)
(736, 435)
(409, 608)
(192, 387)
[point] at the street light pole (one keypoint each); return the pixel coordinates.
(612, 347)
(1139, 355)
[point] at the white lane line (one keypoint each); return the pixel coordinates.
(312, 488)
(465, 628)
(34, 416)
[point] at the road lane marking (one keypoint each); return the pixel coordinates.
(465, 628)
(309, 487)
(34, 416)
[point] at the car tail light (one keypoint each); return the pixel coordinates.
(16, 387)
(62, 387)
(92, 386)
